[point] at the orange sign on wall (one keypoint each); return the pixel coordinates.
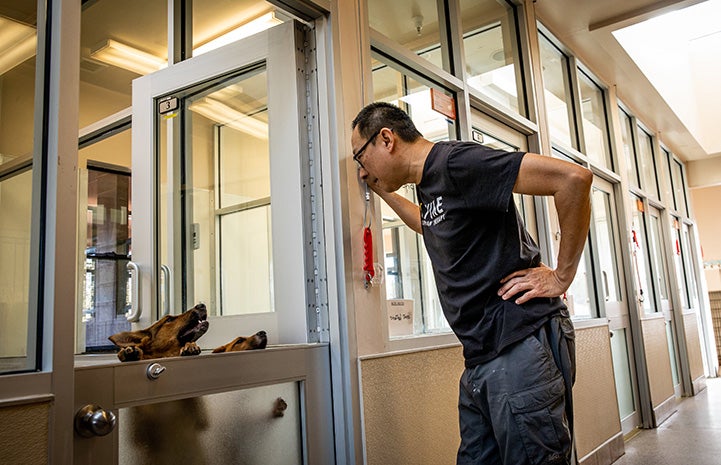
(443, 104)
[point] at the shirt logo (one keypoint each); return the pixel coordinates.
(433, 213)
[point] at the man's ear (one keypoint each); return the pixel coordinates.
(387, 138)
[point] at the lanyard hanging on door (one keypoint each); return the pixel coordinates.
(368, 268)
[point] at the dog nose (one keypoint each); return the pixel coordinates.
(200, 306)
(261, 333)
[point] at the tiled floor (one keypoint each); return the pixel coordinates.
(691, 436)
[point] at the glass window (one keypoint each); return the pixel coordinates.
(679, 187)
(627, 134)
(228, 196)
(689, 266)
(644, 286)
(490, 45)
(580, 294)
(415, 25)
(408, 271)
(603, 226)
(558, 93)
(115, 48)
(677, 252)
(595, 123)
(647, 166)
(18, 328)
(660, 272)
(665, 176)
(106, 289)
(219, 23)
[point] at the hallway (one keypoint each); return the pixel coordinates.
(691, 436)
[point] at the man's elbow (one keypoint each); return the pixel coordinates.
(582, 180)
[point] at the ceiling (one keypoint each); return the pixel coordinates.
(685, 112)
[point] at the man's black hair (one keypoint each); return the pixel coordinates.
(377, 115)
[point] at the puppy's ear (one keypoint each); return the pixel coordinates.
(129, 338)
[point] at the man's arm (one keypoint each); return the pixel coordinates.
(570, 186)
(408, 211)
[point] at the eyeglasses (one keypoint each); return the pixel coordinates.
(356, 156)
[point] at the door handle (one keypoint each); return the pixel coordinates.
(133, 315)
(92, 420)
(165, 272)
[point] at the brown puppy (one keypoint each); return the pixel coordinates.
(257, 341)
(170, 336)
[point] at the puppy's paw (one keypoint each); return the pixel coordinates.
(279, 407)
(130, 354)
(190, 348)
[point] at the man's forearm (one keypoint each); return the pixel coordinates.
(408, 212)
(573, 205)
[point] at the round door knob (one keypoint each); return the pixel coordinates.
(93, 420)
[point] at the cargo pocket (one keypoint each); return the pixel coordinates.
(541, 421)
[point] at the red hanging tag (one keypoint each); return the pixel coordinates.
(368, 255)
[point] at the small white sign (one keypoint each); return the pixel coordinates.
(400, 317)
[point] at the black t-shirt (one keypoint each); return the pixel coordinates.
(475, 237)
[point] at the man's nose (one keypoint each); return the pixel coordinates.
(362, 173)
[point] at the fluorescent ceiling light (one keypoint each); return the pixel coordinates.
(223, 114)
(260, 23)
(124, 56)
(18, 43)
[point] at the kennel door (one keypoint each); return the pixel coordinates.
(219, 146)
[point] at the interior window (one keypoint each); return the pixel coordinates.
(491, 50)
(412, 24)
(18, 328)
(408, 272)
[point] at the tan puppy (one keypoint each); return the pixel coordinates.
(257, 341)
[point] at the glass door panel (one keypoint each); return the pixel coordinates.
(661, 281)
(228, 194)
(606, 237)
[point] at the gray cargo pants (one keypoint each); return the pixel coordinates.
(517, 408)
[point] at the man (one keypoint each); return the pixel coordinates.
(500, 300)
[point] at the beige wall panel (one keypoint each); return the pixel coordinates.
(410, 404)
(693, 344)
(594, 394)
(24, 438)
(659, 362)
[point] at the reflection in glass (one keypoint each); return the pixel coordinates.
(679, 189)
(657, 255)
(644, 286)
(117, 47)
(664, 176)
(558, 93)
(408, 270)
(622, 373)
(646, 163)
(106, 295)
(578, 295)
(15, 327)
(688, 263)
(219, 23)
(217, 429)
(678, 264)
(595, 126)
(628, 150)
(411, 24)
(18, 326)
(608, 260)
(227, 198)
(490, 47)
